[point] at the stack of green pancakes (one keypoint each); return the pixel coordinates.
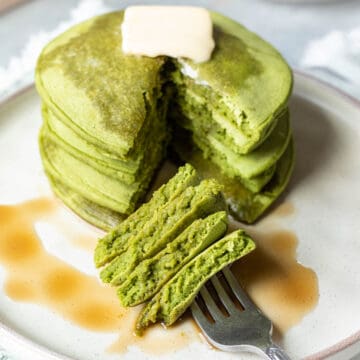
(164, 252)
(109, 117)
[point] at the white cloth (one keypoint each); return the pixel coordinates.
(336, 58)
(4, 355)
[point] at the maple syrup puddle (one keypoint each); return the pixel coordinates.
(35, 276)
(283, 289)
(158, 340)
(85, 243)
(283, 210)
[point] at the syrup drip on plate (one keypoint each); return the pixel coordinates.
(36, 276)
(284, 289)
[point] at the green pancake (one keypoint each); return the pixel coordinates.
(91, 212)
(151, 274)
(168, 222)
(150, 158)
(119, 239)
(131, 167)
(247, 83)
(250, 165)
(254, 184)
(244, 205)
(87, 181)
(84, 75)
(179, 292)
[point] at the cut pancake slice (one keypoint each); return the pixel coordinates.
(168, 222)
(119, 239)
(151, 274)
(179, 292)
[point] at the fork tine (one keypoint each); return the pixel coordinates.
(241, 295)
(224, 297)
(198, 315)
(211, 305)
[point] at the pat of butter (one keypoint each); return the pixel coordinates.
(176, 31)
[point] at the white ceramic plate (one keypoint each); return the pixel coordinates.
(323, 191)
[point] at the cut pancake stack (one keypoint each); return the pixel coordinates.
(234, 109)
(108, 118)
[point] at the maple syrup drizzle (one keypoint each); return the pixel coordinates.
(282, 288)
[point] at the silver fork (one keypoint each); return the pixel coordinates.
(245, 329)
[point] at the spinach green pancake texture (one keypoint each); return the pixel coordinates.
(165, 225)
(119, 239)
(167, 249)
(245, 205)
(151, 274)
(109, 117)
(179, 292)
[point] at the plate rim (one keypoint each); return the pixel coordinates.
(326, 84)
(354, 338)
(332, 350)
(32, 346)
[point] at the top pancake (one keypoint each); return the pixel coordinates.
(104, 93)
(86, 78)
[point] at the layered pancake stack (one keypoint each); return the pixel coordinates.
(104, 121)
(108, 118)
(234, 108)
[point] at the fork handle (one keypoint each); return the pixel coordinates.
(275, 352)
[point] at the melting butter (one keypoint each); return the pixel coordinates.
(175, 31)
